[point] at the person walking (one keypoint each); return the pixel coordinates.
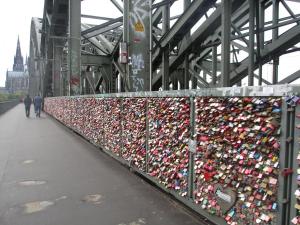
(27, 103)
(37, 101)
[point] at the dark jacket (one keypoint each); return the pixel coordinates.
(27, 101)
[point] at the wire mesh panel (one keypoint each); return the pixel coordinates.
(88, 117)
(237, 160)
(112, 125)
(96, 121)
(65, 114)
(134, 131)
(169, 120)
(76, 115)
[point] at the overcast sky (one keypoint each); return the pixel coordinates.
(15, 19)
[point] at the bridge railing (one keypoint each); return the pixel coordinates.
(228, 153)
(7, 105)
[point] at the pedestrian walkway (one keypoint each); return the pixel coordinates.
(51, 176)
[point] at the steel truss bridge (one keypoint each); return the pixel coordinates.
(211, 44)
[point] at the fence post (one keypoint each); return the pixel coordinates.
(192, 149)
(286, 158)
(122, 126)
(295, 163)
(147, 135)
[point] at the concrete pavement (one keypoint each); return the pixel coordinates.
(51, 176)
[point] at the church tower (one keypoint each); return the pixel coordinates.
(18, 59)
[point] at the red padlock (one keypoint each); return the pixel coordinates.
(286, 171)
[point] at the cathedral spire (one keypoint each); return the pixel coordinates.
(18, 60)
(18, 51)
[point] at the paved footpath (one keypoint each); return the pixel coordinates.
(51, 176)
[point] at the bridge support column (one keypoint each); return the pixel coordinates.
(74, 62)
(251, 42)
(175, 81)
(112, 78)
(274, 37)
(165, 54)
(226, 27)
(186, 72)
(57, 53)
(138, 15)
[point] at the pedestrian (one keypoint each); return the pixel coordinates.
(27, 103)
(37, 101)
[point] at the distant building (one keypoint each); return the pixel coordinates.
(3, 90)
(18, 79)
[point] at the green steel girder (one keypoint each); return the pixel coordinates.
(205, 30)
(276, 48)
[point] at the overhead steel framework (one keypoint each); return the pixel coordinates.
(212, 43)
